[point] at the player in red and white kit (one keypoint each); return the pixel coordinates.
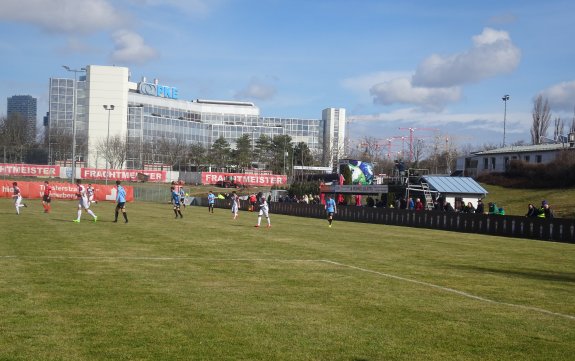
(83, 202)
(46, 197)
(264, 211)
(17, 198)
(90, 191)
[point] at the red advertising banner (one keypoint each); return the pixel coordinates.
(244, 179)
(30, 170)
(124, 174)
(35, 190)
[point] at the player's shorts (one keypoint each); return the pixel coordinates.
(121, 205)
(18, 200)
(264, 212)
(177, 205)
(91, 198)
(330, 214)
(83, 203)
(235, 208)
(46, 199)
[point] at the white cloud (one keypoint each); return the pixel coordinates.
(362, 84)
(492, 53)
(67, 16)
(257, 89)
(188, 6)
(401, 90)
(130, 48)
(561, 96)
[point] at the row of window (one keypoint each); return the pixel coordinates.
(491, 163)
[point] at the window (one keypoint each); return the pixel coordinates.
(538, 159)
(493, 163)
(527, 158)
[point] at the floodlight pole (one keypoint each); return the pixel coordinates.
(109, 108)
(505, 98)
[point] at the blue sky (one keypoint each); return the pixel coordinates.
(422, 64)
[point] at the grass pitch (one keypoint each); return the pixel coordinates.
(206, 287)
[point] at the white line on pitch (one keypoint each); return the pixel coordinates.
(447, 289)
(388, 275)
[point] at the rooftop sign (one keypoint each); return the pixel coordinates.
(158, 90)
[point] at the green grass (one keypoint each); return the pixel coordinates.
(209, 288)
(515, 201)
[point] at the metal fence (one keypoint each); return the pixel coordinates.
(556, 229)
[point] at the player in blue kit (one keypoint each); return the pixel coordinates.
(176, 202)
(120, 202)
(211, 201)
(330, 208)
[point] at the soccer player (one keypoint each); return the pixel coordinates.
(17, 198)
(183, 197)
(90, 191)
(46, 199)
(176, 202)
(330, 208)
(235, 199)
(120, 203)
(264, 211)
(83, 202)
(211, 201)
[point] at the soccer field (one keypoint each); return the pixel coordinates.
(206, 287)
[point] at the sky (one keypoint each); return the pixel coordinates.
(440, 68)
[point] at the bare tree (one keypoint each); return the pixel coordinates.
(572, 129)
(114, 151)
(559, 128)
(172, 150)
(541, 118)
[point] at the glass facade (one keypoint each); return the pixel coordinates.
(150, 123)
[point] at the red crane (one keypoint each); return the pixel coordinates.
(411, 131)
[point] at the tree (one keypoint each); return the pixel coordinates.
(262, 151)
(114, 151)
(243, 153)
(282, 152)
(558, 128)
(14, 138)
(541, 115)
(220, 153)
(172, 150)
(197, 155)
(302, 155)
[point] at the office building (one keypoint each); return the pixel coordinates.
(146, 112)
(26, 106)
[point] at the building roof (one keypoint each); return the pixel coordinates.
(526, 149)
(459, 185)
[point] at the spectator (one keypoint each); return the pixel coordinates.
(469, 208)
(545, 211)
(500, 211)
(419, 205)
(448, 207)
(410, 204)
(493, 209)
(531, 211)
(480, 207)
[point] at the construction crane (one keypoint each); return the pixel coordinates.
(411, 131)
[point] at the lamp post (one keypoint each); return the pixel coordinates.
(109, 108)
(75, 71)
(505, 99)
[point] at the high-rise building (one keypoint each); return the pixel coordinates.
(26, 106)
(145, 113)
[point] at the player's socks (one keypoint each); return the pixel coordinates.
(79, 215)
(125, 216)
(116, 216)
(181, 215)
